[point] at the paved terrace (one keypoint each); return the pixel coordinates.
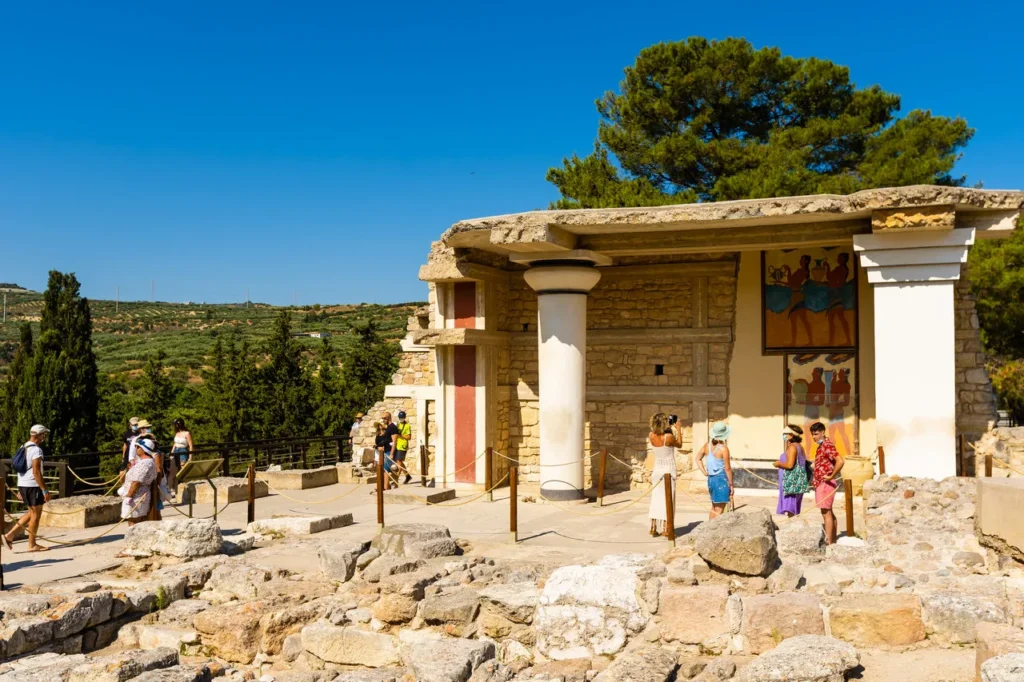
(565, 533)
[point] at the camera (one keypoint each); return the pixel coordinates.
(672, 419)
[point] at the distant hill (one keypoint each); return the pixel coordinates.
(11, 287)
(125, 334)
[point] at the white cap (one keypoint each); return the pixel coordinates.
(38, 430)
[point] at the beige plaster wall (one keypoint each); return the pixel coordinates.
(867, 437)
(757, 381)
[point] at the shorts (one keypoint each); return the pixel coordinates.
(32, 496)
(718, 486)
(400, 455)
(824, 494)
(179, 457)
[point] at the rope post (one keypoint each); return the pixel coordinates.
(513, 508)
(600, 477)
(881, 460)
(670, 511)
(488, 473)
(252, 492)
(154, 495)
(3, 517)
(961, 456)
(423, 465)
(380, 490)
(988, 466)
(64, 482)
(302, 454)
(848, 493)
(191, 490)
(215, 502)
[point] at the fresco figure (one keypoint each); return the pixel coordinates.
(798, 313)
(838, 401)
(840, 299)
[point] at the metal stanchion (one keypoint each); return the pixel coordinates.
(600, 477)
(380, 490)
(488, 474)
(513, 509)
(252, 492)
(670, 510)
(881, 460)
(848, 493)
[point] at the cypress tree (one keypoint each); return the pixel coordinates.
(157, 396)
(331, 415)
(12, 431)
(367, 368)
(286, 409)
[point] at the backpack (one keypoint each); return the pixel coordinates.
(19, 461)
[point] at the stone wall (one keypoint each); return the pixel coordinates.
(1006, 445)
(975, 399)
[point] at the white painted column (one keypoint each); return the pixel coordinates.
(562, 331)
(912, 276)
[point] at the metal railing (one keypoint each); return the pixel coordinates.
(59, 471)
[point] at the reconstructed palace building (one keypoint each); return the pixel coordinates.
(550, 335)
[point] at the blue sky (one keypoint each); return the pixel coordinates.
(316, 149)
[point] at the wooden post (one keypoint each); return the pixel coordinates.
(513, 509)
(848, 493)
(488, 474)
(961, 461)
(380, 490)
(670, 511)
(252, 492)
(423, 466)
(302, 454)
(3, 517)
(881, 460)
(215, 501)
(154, 495)
(600, 477)
(988, 466)
(64, 481)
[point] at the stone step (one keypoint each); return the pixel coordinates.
(81, 511)
(414, 494)
(299, 525)
(300, 479)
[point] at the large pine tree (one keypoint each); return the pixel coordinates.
(287, 410)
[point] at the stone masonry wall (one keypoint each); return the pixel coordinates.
(975, 399)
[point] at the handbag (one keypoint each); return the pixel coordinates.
(794, 481)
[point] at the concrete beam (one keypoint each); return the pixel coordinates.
(462, 272)
(582, 255)
(531, 239)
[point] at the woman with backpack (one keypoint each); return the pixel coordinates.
(792, 466)
(28, 464)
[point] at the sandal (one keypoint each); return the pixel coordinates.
(7, 542)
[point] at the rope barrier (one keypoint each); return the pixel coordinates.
(94, 485)
(87, 540)
(295, 499)
(609, 512)
(211, 516)
(1006, 465)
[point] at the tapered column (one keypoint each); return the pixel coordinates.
(562, 330)
(912, 277)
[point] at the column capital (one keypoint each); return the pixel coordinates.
(563, 278)
(909, 257)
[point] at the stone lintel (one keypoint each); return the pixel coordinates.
(941, 217)
(533, 238)
(459, 337)
(461, 272)
(724, 268)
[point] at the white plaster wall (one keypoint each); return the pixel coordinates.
(915, 377)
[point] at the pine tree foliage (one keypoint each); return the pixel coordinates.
(703, 120)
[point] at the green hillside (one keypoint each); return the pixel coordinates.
(186, 332)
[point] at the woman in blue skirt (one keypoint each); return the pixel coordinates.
(718, 469)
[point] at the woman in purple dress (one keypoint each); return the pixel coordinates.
(792, 460)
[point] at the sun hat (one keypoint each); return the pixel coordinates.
(134, 421)
(143, 424)
(720, 431)
(148, 446)
(39, 430)
(791, 430)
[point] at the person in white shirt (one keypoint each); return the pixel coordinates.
(32, 489)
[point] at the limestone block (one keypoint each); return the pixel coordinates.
(123, 666)
(339, 562)
(350, 646)
(237, 580)
(182, 538)
(516, 602)
(156, 636)
(588, 610)
(447, 659)
(26, 634)
(299, 525)
(951, 617)
(807, 658)
(228, 490)
(40, 667)
(993, 640)
(81, 511)
(457, 609)
(181, 613)
(695, 615)
(16, 604)
(300, 479)
(740, 543)
(395, 609)
(1006, 668)
(70, 617)
(389, 565)
(799, 540)
(276, 626)
(873, 620)
(232, 631)
(647, 664)
(770, 619)
(177, 673)
(416, 541)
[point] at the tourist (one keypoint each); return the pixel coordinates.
(792, 466)
(136, 493)
(718, 469)
(401, 448)
(827, 465)
(354, 431)
(31, 488)
(181, 454)
(381, 446)
(128, 453)
(391, 435)
(132, 432)
(664, 440)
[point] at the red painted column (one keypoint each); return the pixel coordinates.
(465, 385)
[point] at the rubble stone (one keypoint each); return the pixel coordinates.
(416, 541)
(123, 666)
(695, 615)
(993, 640)
(350, 646)
(232, 631)
(739, 543)
(447, 659)
(807, 658)
(182, 538)
(389, 565)
(641, 665)
(872, 620)
(1006, 668)
(339, 563)
(951, 617)
(770, 619)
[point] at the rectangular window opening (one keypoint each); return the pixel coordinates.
(659, 370)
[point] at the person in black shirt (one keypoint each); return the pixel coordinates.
(391, 433)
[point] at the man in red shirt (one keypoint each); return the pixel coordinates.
(827, 465)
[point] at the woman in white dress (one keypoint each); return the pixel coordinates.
(664, 441)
